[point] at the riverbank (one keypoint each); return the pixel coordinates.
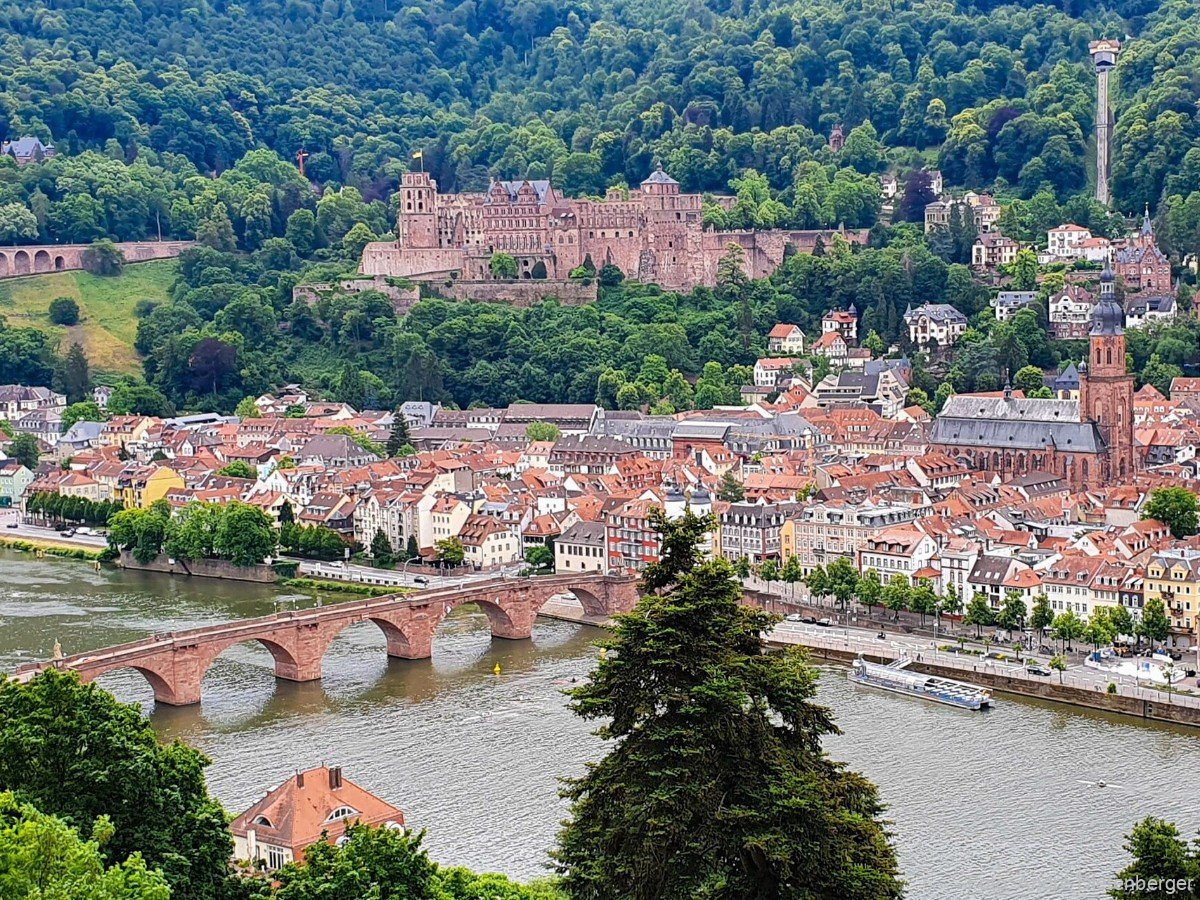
(1074, 688)
(48, 547)
(842, 648)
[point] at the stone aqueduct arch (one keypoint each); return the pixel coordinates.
(15, 261)
(174, 664)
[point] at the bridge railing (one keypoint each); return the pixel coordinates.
(133, 650)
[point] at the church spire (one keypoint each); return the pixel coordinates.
(1108, 318)
(1147, 225)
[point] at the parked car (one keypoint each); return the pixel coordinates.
(69, 532)
(809, 620)
(794, 617)
(825, 622)
(1039, 669)
(420, 579)
(13, 525)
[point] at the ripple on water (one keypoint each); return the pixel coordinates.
(982, 805)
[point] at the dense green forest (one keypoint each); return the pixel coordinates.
(588, 93)
(185, 120)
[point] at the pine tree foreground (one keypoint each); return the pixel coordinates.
(716, 786)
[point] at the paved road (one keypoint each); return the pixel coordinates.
(35, 532)
(396, 577)
(860, 640)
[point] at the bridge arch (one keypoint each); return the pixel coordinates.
(21, 262)
(3, 264)
(408, 640)
(58, 263)
(504, 622)
(285, 663)
(41, 261)
(593, 605)
(165, 688)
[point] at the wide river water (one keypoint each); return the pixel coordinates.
(991, 806)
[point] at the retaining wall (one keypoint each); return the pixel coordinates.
(526, 292)
(1048, 689)
(201, 568)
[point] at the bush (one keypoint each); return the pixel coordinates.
(103, 258)
(64, 311)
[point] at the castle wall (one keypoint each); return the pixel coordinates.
(403, 298)
(654, 234)
(385, 258)
(521, 293)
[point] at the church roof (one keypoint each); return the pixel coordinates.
(1007, 423)
(975, 406)
(1108, 318)
(1005, 434)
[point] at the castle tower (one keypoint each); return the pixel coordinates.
(417, 224)
(1104, 56)
(1106, 391)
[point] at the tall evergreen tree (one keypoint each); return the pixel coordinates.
(350, 387)
(76, 380)
(399, 436)
(716, 785)
(918, 193)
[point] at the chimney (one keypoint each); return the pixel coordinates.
(335, 777)
(299, 779)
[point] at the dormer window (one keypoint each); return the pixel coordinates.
(342, 812)
(264, 821)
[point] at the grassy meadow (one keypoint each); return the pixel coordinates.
(107, 324)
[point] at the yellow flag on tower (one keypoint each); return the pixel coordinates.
(417, 154)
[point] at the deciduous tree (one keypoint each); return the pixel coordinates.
(78, 754)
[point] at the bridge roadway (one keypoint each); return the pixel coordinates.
(174, 662)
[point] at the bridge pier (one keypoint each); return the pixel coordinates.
(415, 647)
(181, 690)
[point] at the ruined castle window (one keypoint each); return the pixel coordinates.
(1110, 355)
(408, 206)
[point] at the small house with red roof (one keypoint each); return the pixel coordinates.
(311, 806)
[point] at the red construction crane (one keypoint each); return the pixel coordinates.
(301, 156)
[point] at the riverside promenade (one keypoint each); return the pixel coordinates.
(1077, 686)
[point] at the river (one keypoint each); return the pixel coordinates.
(989, 805)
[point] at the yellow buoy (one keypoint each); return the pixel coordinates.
(496, 670)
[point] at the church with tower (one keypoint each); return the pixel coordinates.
(1088, 442)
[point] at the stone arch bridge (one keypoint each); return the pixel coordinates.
(36, 260)
(174, 663)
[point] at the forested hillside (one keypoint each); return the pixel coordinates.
(187, 119)
(589, 93)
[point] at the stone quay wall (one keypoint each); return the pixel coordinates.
(202, 568)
